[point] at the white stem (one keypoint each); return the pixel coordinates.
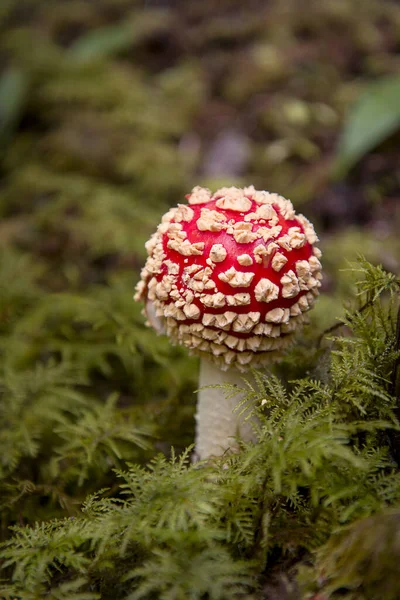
(217, 424)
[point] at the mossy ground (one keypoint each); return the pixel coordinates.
(112, 111)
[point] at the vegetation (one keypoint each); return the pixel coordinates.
(325, 458)
(110, 112)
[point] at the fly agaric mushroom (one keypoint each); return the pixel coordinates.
(229, 275)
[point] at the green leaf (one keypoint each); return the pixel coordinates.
(101, 43)
(374, 118)
(13, 95)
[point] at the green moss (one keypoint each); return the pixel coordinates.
(93, 501)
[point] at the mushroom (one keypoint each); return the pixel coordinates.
(229, 275)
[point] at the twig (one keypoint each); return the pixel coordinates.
(342, 323)
(394, 390)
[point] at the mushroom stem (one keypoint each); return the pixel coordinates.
(217, 422)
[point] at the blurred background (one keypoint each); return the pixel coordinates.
(110, 112)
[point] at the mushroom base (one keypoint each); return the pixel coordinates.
(218, 425)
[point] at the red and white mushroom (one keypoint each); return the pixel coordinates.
(229, 275)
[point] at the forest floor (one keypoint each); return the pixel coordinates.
(110, 112)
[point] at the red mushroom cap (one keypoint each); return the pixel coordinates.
(231, 274)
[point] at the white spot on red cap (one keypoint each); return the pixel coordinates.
(290, 285)
(218, 253)
(199, 195)
(245, 260)
(232, 199)
(278, 261)
(266, 291)
(236, 278)
(211, 220)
